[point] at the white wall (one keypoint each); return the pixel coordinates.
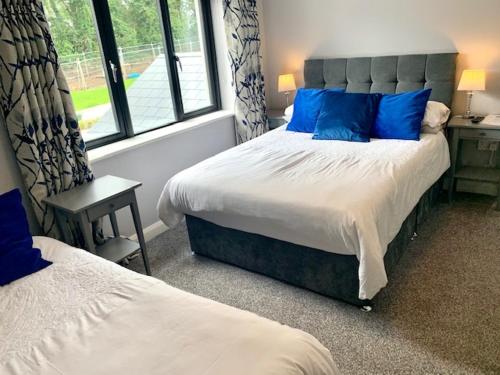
(154, 163)
(296, 30)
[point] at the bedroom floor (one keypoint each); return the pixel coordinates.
(439, 314)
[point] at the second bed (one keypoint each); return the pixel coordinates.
(337, 197)
(329, 216)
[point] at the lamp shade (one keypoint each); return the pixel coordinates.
(286, 82)
(472, 80)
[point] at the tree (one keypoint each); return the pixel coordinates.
(183, 19)
(71, 26)
(135, 22)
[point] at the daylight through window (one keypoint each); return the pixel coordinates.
(134, 65)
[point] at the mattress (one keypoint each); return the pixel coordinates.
(85, 315)
(342, 197)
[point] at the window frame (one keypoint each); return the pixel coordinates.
(117, 92)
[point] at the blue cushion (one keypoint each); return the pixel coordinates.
(400, 115)
(306, 109)
(347, 116)
(18, 258)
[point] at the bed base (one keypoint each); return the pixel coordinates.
(330, 274)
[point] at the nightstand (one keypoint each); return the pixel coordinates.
(89, 202)
(276, 118)
(460, 129)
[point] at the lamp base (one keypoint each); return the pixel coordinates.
(287, 94)
(468, 114)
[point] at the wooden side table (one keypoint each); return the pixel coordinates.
(276, 118)
(87, 203)
(462, 129)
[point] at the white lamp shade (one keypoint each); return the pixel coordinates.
(472, 80)
(286, 82)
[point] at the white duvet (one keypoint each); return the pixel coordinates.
(341, 197)
(84, 315)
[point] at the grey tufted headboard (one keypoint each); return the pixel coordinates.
(386, 74)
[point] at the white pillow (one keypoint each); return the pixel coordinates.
(436, 115)
(288, 113)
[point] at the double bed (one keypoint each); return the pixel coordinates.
(330, 216)
(86, 315)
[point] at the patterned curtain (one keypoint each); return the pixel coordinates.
(243, 40)
(37, 108)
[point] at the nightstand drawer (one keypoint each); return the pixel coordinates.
(111, 205)
(480, 134)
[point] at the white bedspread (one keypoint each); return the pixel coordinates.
(84, 315)
(342, 197)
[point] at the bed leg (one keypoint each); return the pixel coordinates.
(366, 308)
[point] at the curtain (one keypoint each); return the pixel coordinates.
(243, 39)
(37, 108)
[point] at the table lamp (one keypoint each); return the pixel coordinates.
(471, 80)
(286, 83)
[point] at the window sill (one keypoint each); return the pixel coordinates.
(125, 145)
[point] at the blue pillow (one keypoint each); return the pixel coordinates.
(306, 109)
(347, 117)
(400, 115)
(18, 258)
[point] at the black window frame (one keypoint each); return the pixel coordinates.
(118, 98)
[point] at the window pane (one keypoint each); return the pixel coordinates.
(75, 37)
(138, 36)
(190, 47)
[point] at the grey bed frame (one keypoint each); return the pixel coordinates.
(331, 274)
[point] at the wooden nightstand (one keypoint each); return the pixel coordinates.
(87, 203)
(276, 118)
(460, 129)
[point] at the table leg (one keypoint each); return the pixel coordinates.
(114, 224)
(140, 234)
(86, 229)
(61, 221)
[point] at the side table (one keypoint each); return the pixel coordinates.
(461, 129)
(87, 203)
(276, 118)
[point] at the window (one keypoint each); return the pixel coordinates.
(134, 65)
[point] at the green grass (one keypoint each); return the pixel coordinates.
(89, 98)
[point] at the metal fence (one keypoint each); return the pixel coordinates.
(85, 70)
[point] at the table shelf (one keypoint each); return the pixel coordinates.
(84, 204)
(116, 249)
(475, 178)
(482, 174)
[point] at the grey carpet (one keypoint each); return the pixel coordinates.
(439, 314)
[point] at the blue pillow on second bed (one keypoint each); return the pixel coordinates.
(346, 116)
(18, 258)
(400, 115)
(306, 108)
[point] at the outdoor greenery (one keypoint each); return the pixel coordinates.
(83, 99)
(135, 22)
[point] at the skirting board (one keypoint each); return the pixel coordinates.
(151, 231)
